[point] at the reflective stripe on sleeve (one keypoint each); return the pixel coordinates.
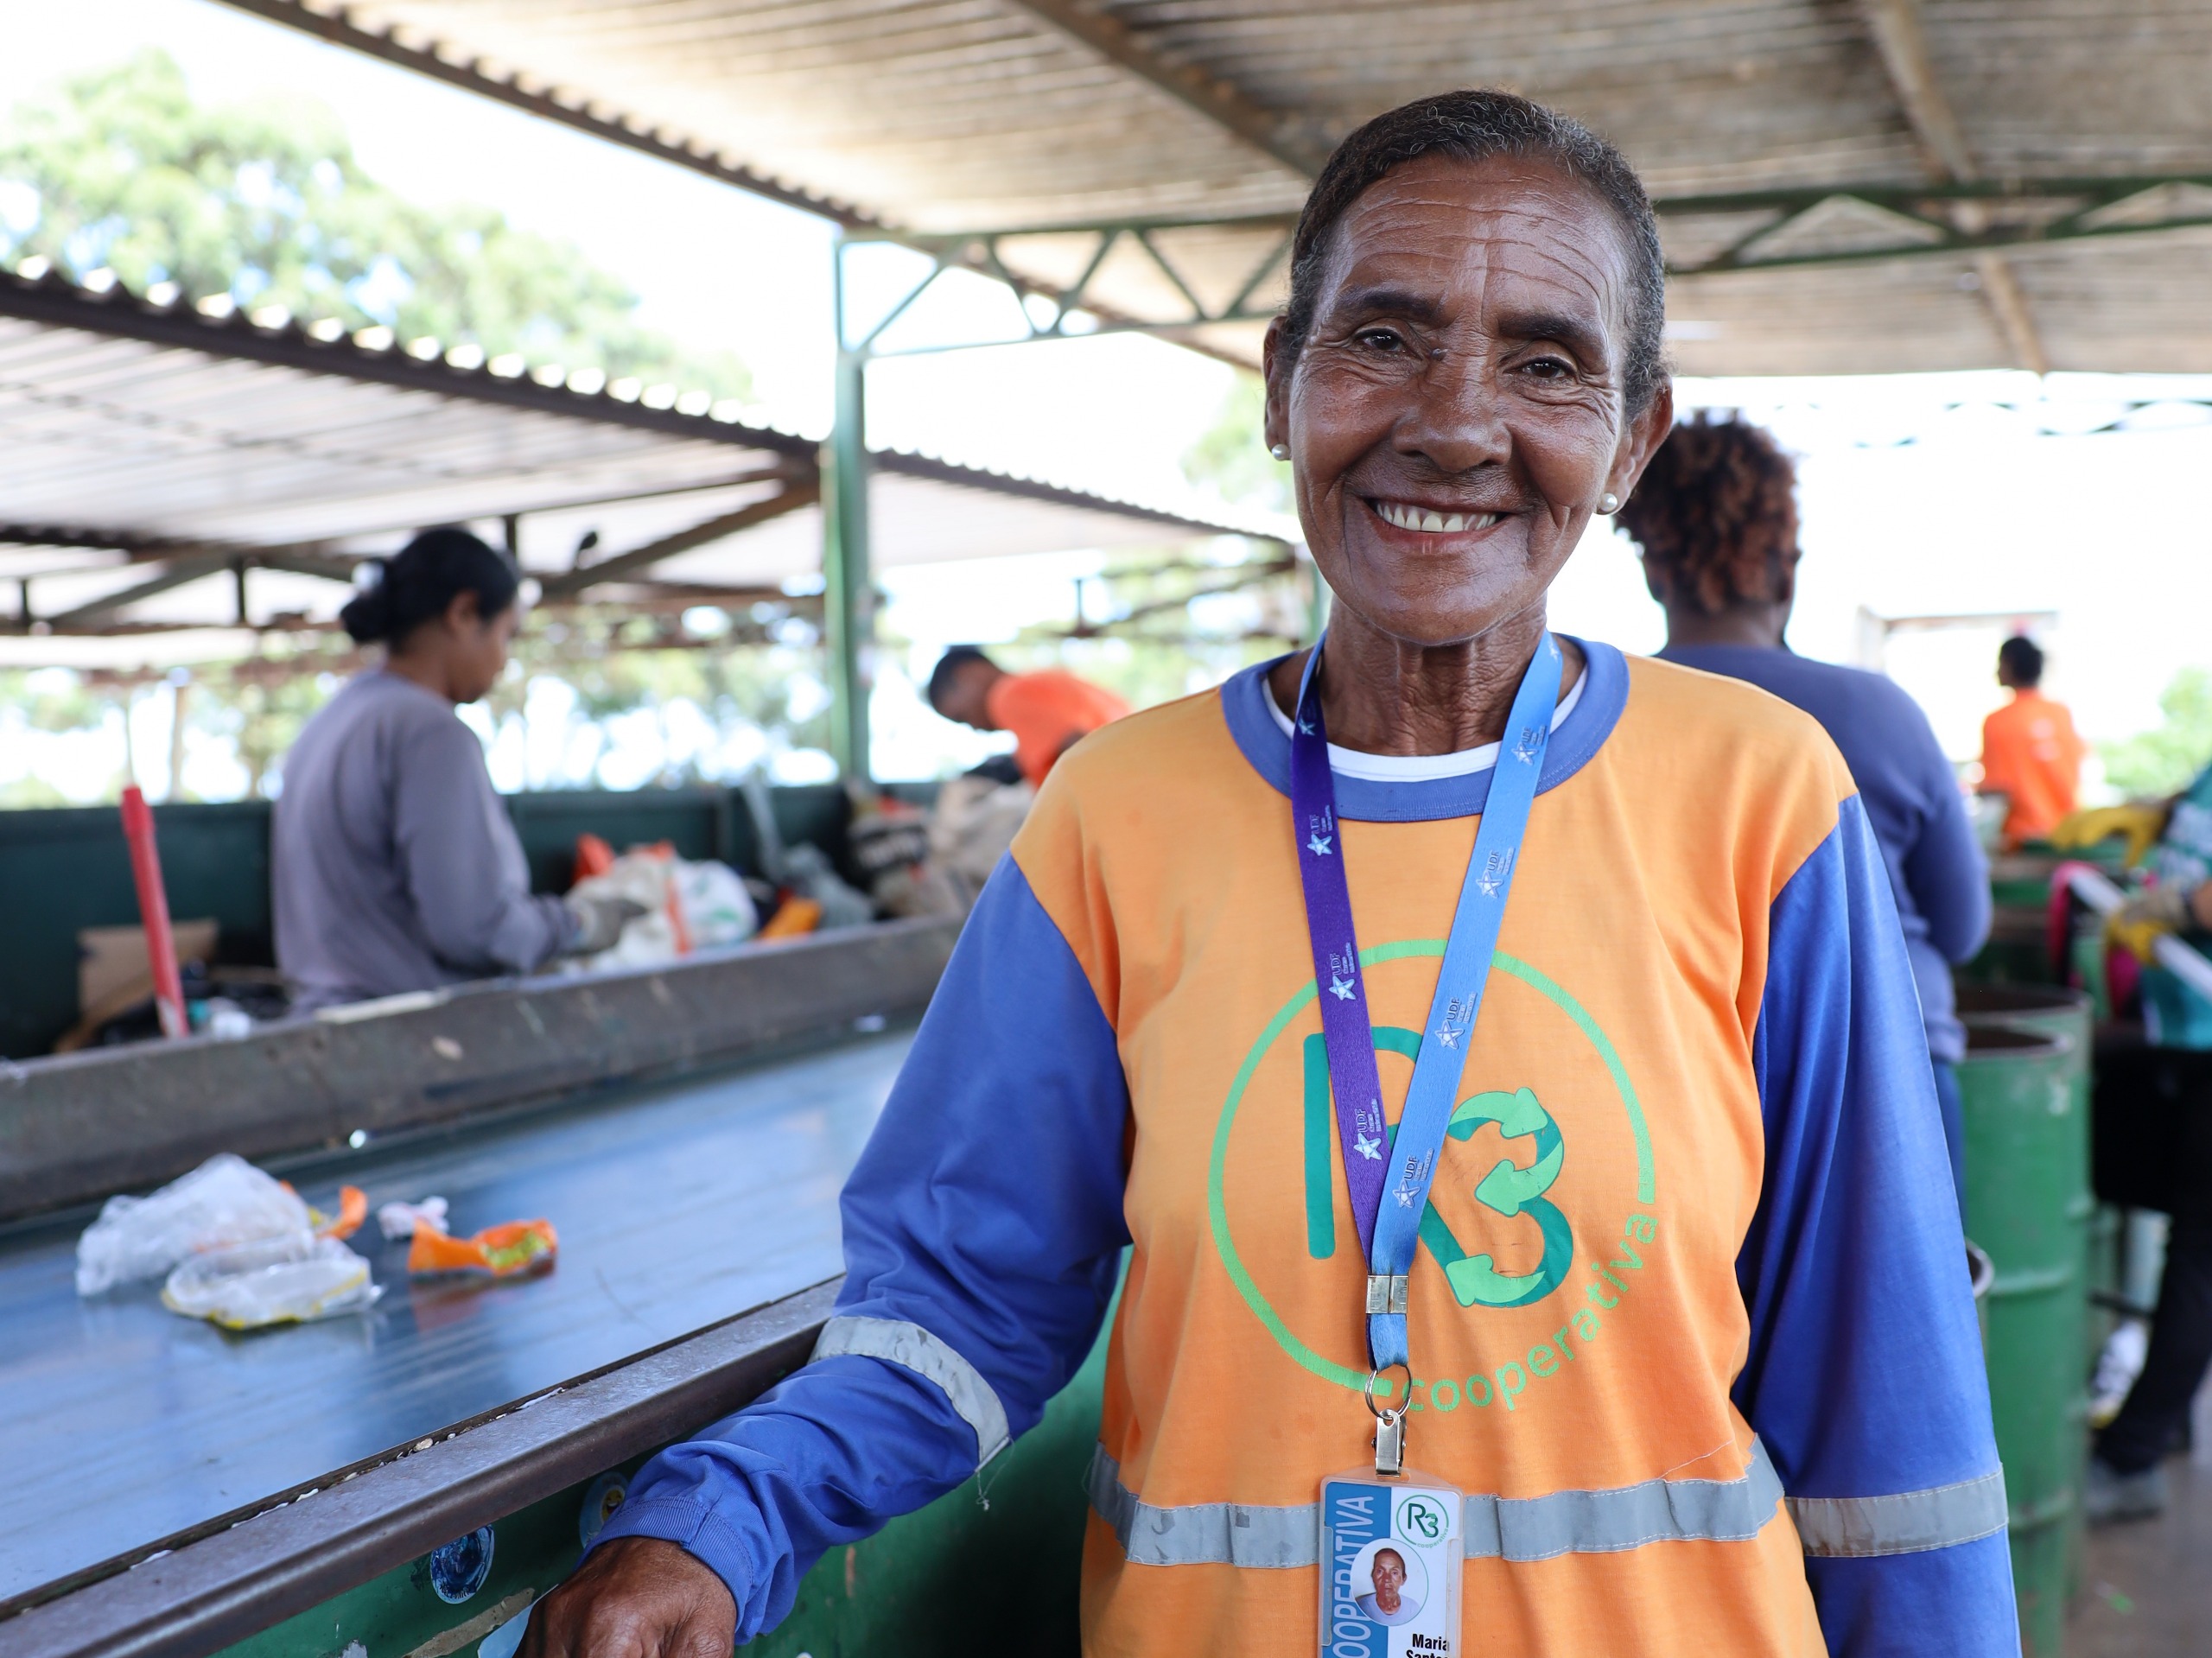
(1510, 1529)
(1911, 1522)
(910, 1346)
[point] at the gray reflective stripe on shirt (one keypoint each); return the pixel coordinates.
(1908, 1523)
(1202, 1534)
(909, 1345)
(1627, 1516)
(1512, 1528)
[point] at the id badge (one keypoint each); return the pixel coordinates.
(1392, 1562)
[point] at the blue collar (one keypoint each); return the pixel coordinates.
(1245, 703)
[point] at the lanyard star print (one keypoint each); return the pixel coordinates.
(1389, 1172)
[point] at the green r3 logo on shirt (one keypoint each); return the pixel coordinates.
(1508, 1190)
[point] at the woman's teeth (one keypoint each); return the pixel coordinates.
(1416, 518)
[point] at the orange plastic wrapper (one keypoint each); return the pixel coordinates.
(795, 919)
(504, 1251)
(352, 1209)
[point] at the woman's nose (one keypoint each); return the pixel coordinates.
(1456, 416)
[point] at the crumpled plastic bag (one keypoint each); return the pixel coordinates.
(224, 1201)
(397, 1221)
(291, 1279)
(687, 906)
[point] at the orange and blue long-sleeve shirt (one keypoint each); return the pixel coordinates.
(1693, 1332)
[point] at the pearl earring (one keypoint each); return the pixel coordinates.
(1609, 502)
(1281, 451)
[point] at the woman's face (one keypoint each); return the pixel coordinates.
(1459, 407)
(478, 648)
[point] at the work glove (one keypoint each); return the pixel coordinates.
(2149, 916)
(599, 920)
(2141, 822)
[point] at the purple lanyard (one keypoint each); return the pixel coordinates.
(1375, 1155)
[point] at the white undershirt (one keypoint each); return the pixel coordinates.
(1418, 768)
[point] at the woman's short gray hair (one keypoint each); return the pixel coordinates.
(1475, 126)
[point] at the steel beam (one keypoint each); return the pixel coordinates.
(799, 494)
(848, 592)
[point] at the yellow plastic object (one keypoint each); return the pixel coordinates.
(2148, 916)
(2142, 825)
(504, 1250)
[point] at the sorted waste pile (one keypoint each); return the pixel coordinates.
(233, 1245)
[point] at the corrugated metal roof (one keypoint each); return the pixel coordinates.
(977, 115)
(147, 450)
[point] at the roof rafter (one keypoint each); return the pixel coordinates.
(1901, 37)
(1217, 99)
(801, 493)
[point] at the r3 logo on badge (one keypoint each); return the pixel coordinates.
(1391, 1563)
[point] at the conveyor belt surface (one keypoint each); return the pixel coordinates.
(677, 1205)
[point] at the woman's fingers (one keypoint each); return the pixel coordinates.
(635, 1597)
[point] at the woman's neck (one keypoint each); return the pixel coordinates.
(1382, 695)
(1754, 624)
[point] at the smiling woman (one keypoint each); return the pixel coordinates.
(1231, 1000)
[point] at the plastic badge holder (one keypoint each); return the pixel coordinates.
(291, 1280)
(1392, 1563)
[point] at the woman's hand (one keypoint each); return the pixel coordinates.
(635, 1597)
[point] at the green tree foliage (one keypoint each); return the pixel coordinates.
(2165, 761)
(264, 201)
(1231, 458)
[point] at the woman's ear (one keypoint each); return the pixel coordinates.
(1275, 421)
(464, 612)
(1646, 432)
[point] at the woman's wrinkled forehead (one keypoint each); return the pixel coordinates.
(1441, 227)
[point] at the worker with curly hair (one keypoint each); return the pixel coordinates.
(1716, 519)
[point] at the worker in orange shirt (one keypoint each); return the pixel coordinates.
(1048, 712)
(2029, 754)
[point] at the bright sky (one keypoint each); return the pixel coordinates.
(1910, 507)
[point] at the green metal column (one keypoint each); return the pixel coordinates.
(848, 595)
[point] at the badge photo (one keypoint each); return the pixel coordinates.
(1392, 1564)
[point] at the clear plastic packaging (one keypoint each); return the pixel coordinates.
(226, 1201)
(289, 1279)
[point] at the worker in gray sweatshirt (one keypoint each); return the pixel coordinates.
(396, 868)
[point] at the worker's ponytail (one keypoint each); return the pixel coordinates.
(422, 579)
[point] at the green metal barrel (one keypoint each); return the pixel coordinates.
(2028, 1205)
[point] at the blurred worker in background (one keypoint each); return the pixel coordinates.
(2029, 751)
(396, 868)
(1716, 518)
(1048, 712)
(2153, 1133)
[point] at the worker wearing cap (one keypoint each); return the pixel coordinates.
(2029, 754)
(1716, 519)
(2159, 1098)
(1048, 712)
(394, 866)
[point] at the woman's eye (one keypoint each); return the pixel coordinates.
(1548, 368)
(1380, 339)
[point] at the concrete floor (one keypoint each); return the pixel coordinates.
(2146, 1591)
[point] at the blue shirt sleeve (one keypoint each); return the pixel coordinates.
(1944, 868)
(1864, 1375)
(983, 1229)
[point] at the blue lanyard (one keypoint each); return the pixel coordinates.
(1374, 1156)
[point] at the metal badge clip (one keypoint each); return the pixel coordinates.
(1389, 1425)
(1386, 1294)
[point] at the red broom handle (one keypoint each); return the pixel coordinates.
(153, 911)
